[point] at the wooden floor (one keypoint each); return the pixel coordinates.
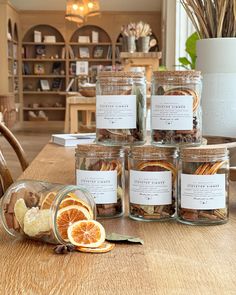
(32, 143)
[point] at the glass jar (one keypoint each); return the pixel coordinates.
(176, 114)
(34, 209)
(203, 196)
(121, 108)
(101, 170)
(152, 183)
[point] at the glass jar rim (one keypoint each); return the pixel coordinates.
(152, 151)
(177, 74)
(99, 150)
(120, 74)
(204, 152)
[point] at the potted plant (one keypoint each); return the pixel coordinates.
(215, 23)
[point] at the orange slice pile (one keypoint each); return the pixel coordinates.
(76, 201)
(104, 248)
(68, 216)
(48, 200)
(86, 234)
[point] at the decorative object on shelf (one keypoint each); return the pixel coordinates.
(56, 68)
(49, 39)
(78, 10)
(136, 31)
(95, 37)
(87, 89)
(215, 24)
(83, 39)
(39, 69)
(44, 84)
(37, 37)
(81, 68)
(56, 84)
(98, 52)
(40, 51)
(84, 52)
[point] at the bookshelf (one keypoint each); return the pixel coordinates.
(43, 75)
(39, 59)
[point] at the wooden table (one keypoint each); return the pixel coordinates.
(175, 259)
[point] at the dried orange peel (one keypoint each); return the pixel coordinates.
(161, 164)
(48, 200)
(112, 166)
(103, 248)
(209, 168)
(185, 91)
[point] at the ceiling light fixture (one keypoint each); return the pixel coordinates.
(78, 10)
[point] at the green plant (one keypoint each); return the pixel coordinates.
(190, 48)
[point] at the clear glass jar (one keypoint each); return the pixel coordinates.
(152, 183)
(34, 209)
(121, 108)
(101, 170)
(203, 196)
(176, 114)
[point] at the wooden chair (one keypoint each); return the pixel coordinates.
(5, 176)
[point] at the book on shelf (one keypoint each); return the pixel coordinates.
(109, 52)
(63, 53)
(83, 39)
(84, 52)
(70, 85)
(37, 37)
(82, 68)
(71, 53)
(56, 84)
(70, 140)
(95, 36)
(98, 52)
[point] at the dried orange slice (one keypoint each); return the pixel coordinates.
(185, 91)
(67, 216)
(48, 200)
(76, 201)
(86, 233)
(104, 248)
(161, 164)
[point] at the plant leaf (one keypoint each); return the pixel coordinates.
(191, 43)
(184, 61)
(114, 237)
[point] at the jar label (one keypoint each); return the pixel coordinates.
(172, 112)
(150, 188)
(203, 192)
(101, 184)
(116, 111)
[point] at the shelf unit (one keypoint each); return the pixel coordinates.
(43, 62)
(40, 58)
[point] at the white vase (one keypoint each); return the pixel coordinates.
(216, 59)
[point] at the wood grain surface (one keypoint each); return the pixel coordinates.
(175, 259)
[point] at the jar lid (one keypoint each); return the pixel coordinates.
(204, 151)
(120, 74)
(177, 74)
(99, 150)
(150, 150)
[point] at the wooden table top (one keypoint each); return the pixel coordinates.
(175, 259)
